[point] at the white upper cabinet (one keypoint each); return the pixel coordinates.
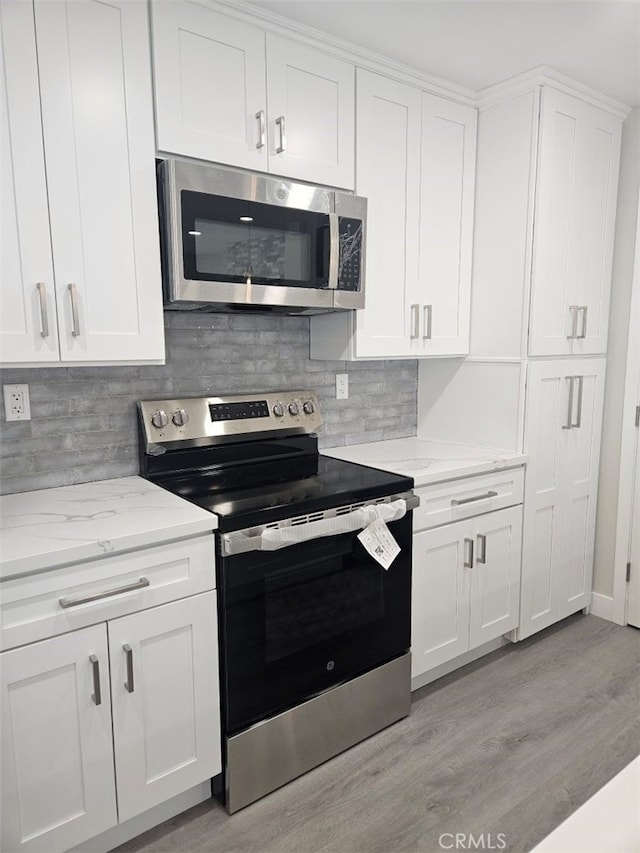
(28, 325)
(388, 175)
(574, 223)
(94, 80)
(544, 221)
(228, 92)
(210, 85)
(415, 164)
(448, 159)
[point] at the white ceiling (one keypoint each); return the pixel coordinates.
(480, 42)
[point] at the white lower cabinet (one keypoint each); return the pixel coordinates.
(562, 433)
(156, 673)
(466, 586)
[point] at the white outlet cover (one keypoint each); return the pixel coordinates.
(16, 403)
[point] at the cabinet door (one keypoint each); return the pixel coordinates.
(446, 224)
(440, 596)
(388, 174)
(28, 326)
(544, 557)
(574, 220)
(310, 99)
(495, 576)
(581, 482)
(166, 714)
(562, 436)
(210, 85)
(58, 786)
(97, 118)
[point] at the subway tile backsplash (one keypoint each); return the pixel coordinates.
(83, 419)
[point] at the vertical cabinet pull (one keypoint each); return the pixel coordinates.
(44, 316)
(569, 422)
(415, 322)
(468, 557)
(282, 147)
(583, 310)
(97, 693)
(262, 129)
(481, 556)
(574, 309)
(428, 316)
(128, 685)
(75, 321)
(578, 422)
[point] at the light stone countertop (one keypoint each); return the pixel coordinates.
(427, 461)
(46, 529)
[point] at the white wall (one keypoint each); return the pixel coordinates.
(617, 354)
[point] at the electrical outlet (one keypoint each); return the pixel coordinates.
(16, 403)
(342, 386)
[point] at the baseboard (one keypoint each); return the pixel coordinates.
(462, 660)
(602, 606)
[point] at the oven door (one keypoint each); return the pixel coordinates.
(297, 621)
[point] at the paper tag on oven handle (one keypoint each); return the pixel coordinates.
(378, 541)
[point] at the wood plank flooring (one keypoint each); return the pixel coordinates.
(510, 744)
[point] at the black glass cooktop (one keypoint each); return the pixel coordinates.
(260, 492)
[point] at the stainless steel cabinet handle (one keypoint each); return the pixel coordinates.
(262, 129)
(482, 497)
(283, 139)
(583, 331)
(97, 693)
(578, 422)
(574, 321)
(74, 602)
(481, 556)
(468, 562)
(75, 321)
(415, 322)
(128, 685)
(428, 316)
(569, 422)
(44, 317)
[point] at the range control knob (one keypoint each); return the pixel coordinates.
(308, 408)
(180, 417)
(294, 409)
(160, 419)
(278, 410)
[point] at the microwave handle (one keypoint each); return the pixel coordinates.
(334, 250)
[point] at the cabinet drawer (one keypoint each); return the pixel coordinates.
(72, 597)
(454, 500)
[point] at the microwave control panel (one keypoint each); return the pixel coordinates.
(351, 253)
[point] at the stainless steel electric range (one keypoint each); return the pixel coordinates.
(314, 622)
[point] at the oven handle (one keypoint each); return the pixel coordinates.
(332, 524)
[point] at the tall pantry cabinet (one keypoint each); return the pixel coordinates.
(547, 177)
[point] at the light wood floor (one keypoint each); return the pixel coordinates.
(511, 744)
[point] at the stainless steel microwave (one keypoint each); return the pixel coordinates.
(235, 240)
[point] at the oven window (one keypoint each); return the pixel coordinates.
(231, 240)
(313, 610)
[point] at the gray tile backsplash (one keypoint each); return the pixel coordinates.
(83, 419)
